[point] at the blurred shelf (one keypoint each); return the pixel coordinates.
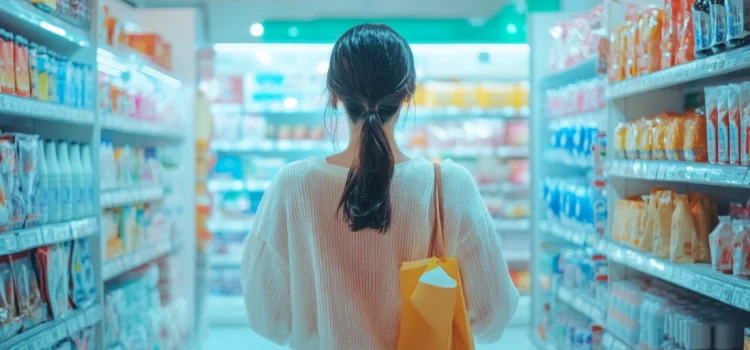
(131, 195)
(541, 344)
(564, 158)
(700, 278)
(225, 260)
(515, 256)
(290, 146)
(580, 236)
(472, 152)
(115, 58)
(151, 251)
(226, 185)
(25, 239)
(428, 113)
(581, 71)
(15, 106)
(674, 171)
(48, 334)
(610, 342)
(691, 72)
(135, 127)
(584, 304)
(226, 311)
(229, 225)
(513, 225)
(20, 16)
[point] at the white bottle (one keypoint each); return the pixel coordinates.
(66, 182)
(77, 188)
(88, 179)
(41, 190)
(53, 183)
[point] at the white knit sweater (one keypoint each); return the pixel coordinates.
(311, 283)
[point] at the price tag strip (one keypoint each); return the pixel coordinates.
(44, 336)
(144, 255)
(25, 239)
(139, 127)
(26, 107)
(127, 196)
(700, 278)
(585, 305)
(723, 175)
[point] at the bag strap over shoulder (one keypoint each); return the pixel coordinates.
(437, 244)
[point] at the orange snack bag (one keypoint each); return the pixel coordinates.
(632, 41)
(620, 131)
(674, 139)
(645, 145)
(649, 47)
(658, 135)
(683, 231)
(631, 139)
(700, 211)
(663, 226)
(694, 149)
(646, 239)
(685, 34)
(673, 11)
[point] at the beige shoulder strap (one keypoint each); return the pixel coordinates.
(437, 245)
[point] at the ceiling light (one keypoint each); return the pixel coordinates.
(256, 29)
(263, 57)
(290, 103)
(293, 31)
(322, 67)
(511, 28)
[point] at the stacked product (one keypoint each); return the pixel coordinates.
(575, 204)
(666, 136)
(254, 128)
(513, 99)
(578, 40)
(31, 70)
(46, 284)
(577, 98)
(127, 166)
(474, 133)
(77, 12)
(113, 33)
(140, 313)
(728, 123)
(652, 314)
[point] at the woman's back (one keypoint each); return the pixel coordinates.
(312, 283)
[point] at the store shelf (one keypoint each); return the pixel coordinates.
(471, 152)
(699, 173)
(259, 146)
(223, 185)
(712, 66)
(225, 260)
(430, 113)
(30, 21)
(46, 335)
(25, 239)
(581, 71)
(610, 342)
(131, 195)
(580, 236)
(14, 106)
(700, 278)
(108, 55)
(130, 126)
(512, 225)
(151, 251)
(226, 310)
(583, 303)
(229, 225)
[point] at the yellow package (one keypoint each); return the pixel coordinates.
(683, 231)
(674, 139)
(646, 239)
(631, 139)
(700, 211)
(663, 227)
(621, 216)
(645, 146)
(620, 131)
(694, 148)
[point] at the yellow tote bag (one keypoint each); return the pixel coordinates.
(433, 307)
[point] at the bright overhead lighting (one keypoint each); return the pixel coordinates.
(293, 31)
(263, 57)
(53, 28)
(290, 103)
(161, 76)
(256, 29)
(322, 67)
(511, 28)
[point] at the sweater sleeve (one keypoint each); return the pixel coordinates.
(491, 296)
(265, 269)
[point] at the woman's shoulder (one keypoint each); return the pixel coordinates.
(456, 174)
(293, 172)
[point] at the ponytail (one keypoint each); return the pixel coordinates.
(366, 199)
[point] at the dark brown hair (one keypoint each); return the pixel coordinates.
(372, 74)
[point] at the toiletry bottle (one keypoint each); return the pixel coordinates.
(88, 179)
(77, 188)
(66, 182)
(53, 183)
(41, 191)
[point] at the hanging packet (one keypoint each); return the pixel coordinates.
(663, 227)
(683, 231)
(738, 23)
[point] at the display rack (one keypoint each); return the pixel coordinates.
(64, 121)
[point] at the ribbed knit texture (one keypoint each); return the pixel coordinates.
(311, 283)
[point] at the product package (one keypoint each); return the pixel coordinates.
(53, 278)
(669, 33)
(745, 121)
(21, 63)
(686, 36)
(10, 174)
(702, 210)
(659, 134)
(31, 308)
(663, 227)
(646, 240)
(674, 139)
(683, 231)
(82, 287)
(645, 139)
(694, 149)
(10, 323)
(721, 246)
(735, 121)
(712, 124)
(718, 25)
(28, 146)
(723, 126)
(741, 247)
(738, 23)
(701, 12)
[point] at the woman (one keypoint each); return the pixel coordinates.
(320, 269)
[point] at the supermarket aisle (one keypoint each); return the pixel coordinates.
(219, 338)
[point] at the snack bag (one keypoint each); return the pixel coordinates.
(28, 146)
(686, 36)
(735, 120)
(712, 124)
(620, 133)
(31, 308)
(745, 121)
(683, 231)
(631, 65)
(700, 211)
(718, 25)
(646, 238)
(614, 71)
(618, 224)
(669, 30)
(8, 171)
(82, 287)
(658, 132)
(653, 56)
(738, 23)
(674, 139)
(721, 246)
(631, 139)
(723, 129)
(741, 248)
(636, 222)
(644, 139)
(694, 149)
(663, 227)
(10, 323)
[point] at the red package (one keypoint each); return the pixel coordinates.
(10, 323)
(735, 124)
(31, 308)
(741, 245)
(685, 34)
(669, 40)
(721, 246)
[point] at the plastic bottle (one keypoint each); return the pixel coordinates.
(88, 178)
(718, 25)
(53, 183)
(66, 182)
(42, 188)
(77, 188)
(702, 27)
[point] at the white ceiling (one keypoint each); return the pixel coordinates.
(229, 20)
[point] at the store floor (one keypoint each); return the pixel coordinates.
(221, 338)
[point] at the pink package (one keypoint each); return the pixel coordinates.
(734, 118)
(723, 125)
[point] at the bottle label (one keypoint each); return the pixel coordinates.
(702, 27)
(718, 24)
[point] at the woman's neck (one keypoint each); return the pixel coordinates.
(347, 156)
